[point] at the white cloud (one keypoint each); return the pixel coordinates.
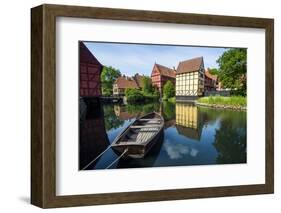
(177, 151)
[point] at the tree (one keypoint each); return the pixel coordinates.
(147, 85)
(108, 77)
(134, 95)
(156, 91)
(169, 90)
(214, 71)
(233, 69)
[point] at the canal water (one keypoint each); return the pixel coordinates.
(192, 135)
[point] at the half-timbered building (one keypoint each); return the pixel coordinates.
(89, 73)
(160, 75)
(190, 79)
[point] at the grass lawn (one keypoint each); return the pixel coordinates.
(226, 101)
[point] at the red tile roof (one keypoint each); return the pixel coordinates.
(209, 75)
(139, 80)
(189, 65)
(86, 56)
(126, 82)
(166, 71)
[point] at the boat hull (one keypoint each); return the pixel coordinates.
(138, 150)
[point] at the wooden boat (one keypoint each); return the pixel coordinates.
(139, 137)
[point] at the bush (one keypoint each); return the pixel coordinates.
(220, 100)
(134, 95)
(151, 97)
(168, 90)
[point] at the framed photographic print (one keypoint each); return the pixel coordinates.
(136, 106)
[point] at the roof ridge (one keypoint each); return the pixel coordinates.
(191, 59)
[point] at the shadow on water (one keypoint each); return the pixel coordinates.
(92, 134)
(192, 135)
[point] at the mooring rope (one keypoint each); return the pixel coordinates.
(125, 151)
(85, 167)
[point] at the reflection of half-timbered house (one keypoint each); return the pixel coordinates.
(89, 73)
(190, 79)
(160, 75)
(93, 139)
(188, 122)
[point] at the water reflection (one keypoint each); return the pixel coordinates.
(177, 151)
(92, 136)
(192, 135)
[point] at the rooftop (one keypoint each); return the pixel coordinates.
(209, 75)
(126, 82)
(190, 65)
(166, 71)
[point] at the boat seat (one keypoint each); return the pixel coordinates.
(143, 126)
(144, 136)
(147, 119)
(149, 130)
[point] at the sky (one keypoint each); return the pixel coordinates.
(140, 58)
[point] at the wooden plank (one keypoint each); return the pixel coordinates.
(151, 130)
(145, 126)
(147, 119)
(127, 142)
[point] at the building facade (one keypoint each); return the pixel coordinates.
(89, 73)
(190, 79)
(122, 83)
(211, 82)
(160, 75)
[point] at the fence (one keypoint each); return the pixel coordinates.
(217, 93)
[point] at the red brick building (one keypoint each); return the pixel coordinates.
(160, 75)
(89, 73)
(210, 83)
(122, 83)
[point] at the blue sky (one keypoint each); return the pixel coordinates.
(140, 58)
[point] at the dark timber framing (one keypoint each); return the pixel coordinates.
(43, 105)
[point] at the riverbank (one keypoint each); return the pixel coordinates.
(232, 102)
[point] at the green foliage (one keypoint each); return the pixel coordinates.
(169, 110)
(214, 71)
(156, 91)
(147, 94)
(137, 109)
(230, 140)
(134, 95)
(219, 100)
(110, 119)
(233, 69)
(172, 100)
(108, 77)
(169, 90)
(147, 85)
